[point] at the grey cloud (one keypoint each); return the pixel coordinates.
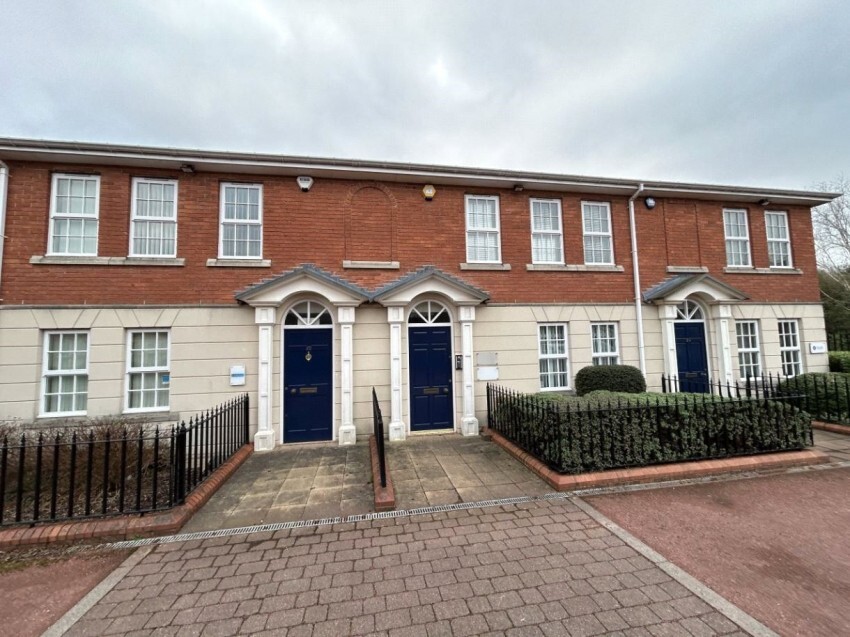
(746, 93)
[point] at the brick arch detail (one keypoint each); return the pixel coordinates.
(351, 232)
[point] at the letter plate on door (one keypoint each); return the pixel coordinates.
(308, 390)
(431, 390)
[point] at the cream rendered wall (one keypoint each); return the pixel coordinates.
(511, 331)
(371, 366)
(205, 342)
(811, 326)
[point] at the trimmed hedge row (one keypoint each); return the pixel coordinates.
(826, 396)
(839, 362)
(613, 432)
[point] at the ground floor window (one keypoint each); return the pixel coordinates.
(606, 349)
(554, 363)
(749, 355)
(789, 348)
(65, 380)
(148, 375)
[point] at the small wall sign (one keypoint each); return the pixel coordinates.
(166, 379)
(817, 348)
(237, 375)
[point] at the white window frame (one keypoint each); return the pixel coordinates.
(787, 349)
(787, 240)
(585, 233)
(756, 334)
(54, 214)
(222, 221)
(559, 233)
(156, 369)
(745, 239)
(565, 356)
(46, 373)
(497, 230)
(161, 219)
(593, 340)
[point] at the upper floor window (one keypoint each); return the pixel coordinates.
(749, 355)
(153, 226)
(554, 363)
(789, 348)
(73, 215)
(547, 239)
(778, 239)
(148, 376)
(65, 374)
(483, 244)
(737, 233)
(241, 221)
(596, 219)
(606, 349)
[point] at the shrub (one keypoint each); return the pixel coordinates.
(824, 395)
(839, 362)
(613, 378)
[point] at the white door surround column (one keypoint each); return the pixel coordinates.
(264, 317)
(347, 432)
(468, 423)
(722, 314)
(395, 317)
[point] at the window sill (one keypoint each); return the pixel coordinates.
(730, 270)
(686, 269)
(239, 263)
(68, 260)
(371, 265)
(504, 267)
(574, 268)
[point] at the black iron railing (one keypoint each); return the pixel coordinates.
(112, 470)
(599, 434)
(378, 430)
(838, 341)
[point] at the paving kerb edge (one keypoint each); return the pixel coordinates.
(64, 623)
(706, 594)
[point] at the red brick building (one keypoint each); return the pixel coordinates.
(158, 281)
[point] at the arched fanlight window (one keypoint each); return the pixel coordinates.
(429, 312)
(308, 313)
(688, 311)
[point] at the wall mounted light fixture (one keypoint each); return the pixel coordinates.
(428, 191)
(764, 202)
(188, 168)
(649, 202)
(304, 183)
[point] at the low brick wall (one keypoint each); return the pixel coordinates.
(663, 472)
(126, 527)
(828, 426)
(384, 497)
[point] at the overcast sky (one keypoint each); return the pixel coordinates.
(739, 92)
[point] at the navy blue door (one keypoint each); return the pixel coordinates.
(690, 354)
(430, 378)
(307, 385)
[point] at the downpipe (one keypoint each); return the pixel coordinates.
(636, 278)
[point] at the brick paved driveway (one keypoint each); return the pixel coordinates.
(536, 568)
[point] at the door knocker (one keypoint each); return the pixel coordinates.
(309, 356)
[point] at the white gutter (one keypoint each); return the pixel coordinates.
(636, 277)
(4, 187)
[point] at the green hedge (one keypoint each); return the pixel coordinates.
(839, 362)
(614, 378)
(612, 431)
(826, 396)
